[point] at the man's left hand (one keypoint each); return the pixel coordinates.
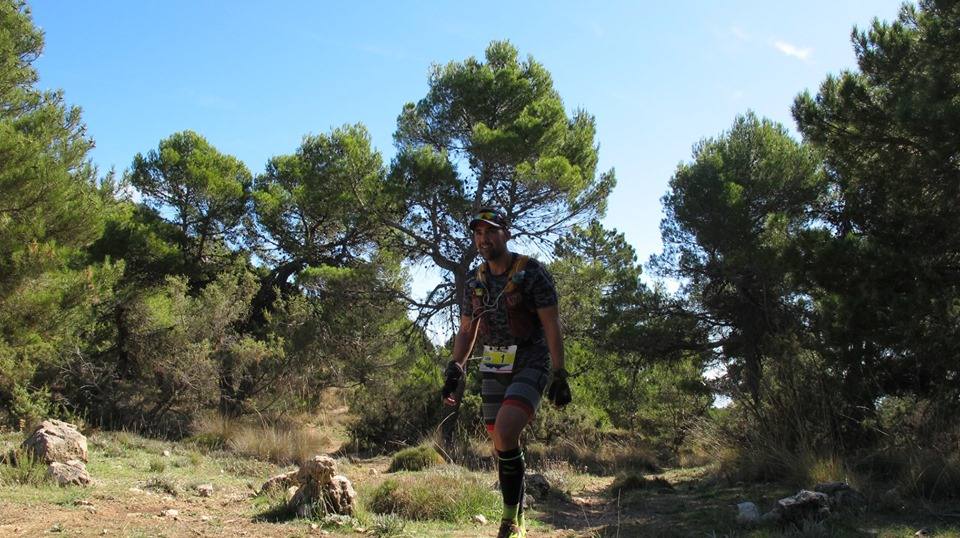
(559, 391)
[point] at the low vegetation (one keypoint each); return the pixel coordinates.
(415, 458)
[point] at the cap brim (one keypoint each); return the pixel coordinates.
(474, 222)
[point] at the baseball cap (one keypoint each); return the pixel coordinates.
(491, 216)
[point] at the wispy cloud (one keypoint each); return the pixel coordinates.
(738, 33)
(793, 50)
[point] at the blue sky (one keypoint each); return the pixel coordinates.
(254, 77)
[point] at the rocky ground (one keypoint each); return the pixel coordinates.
(144, 487)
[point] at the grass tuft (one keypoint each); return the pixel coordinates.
(388, 525)
(21, 468)
(415, 458)
(280, 441)
(163, 484)
(442, 493)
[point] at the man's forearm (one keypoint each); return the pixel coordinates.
(555, 345)
(461, 345)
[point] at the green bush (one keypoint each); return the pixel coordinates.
(415, 458)
(445, 493)
(397, 411)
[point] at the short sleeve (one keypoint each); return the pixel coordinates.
(466, 302)
(540, 286)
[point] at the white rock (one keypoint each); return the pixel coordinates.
(171, 513)
(205, 490)
(480, 519)
(166, 453)
(73, 472)
(55, 440)
(747, 513)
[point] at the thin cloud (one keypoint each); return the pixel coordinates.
(793, 50)
(739, 33)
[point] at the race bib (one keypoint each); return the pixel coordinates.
(498, 360)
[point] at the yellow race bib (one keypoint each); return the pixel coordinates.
(498, 360)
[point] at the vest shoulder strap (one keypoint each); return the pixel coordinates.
(519, 263)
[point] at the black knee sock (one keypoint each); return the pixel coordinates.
(510, 468)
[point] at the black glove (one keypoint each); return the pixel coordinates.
(453, 375)
(559, 391)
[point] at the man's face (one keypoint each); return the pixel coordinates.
(490, 241)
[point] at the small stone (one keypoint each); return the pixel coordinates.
(135, 490)
(82, 502)
(205, 490)
(171, 513)
(90, 509)
(747, 513)
(291, 491)
(314, 526)
(166, 453)
(204, 518)
(480, 519)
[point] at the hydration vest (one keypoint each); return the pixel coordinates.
(521, 315)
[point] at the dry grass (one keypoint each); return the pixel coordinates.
(279, 441)
(608, 458)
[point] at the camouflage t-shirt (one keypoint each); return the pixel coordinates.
(537, 287)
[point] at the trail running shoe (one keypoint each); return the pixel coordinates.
(511, 529)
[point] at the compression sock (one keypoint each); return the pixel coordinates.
(510, 468)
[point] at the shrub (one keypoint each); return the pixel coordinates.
(444, 493)
(415, 458)
(401, 411)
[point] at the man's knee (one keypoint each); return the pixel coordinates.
(506, 431)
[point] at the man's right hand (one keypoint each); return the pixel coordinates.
(453, 376)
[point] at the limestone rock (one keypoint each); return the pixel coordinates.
(73, 472)
(280, 482)
(479, 519)
(320, 485)
(56, 441)
(537, 486)
(804, 505)
(747, 513)
(205, 490)
(319, 469)
(340, 496)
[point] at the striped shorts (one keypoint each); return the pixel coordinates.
(522, 389)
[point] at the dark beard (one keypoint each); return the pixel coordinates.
(493, 253)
